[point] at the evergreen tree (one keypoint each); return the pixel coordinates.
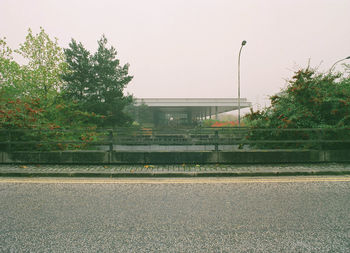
(97, 82)
(79, 77)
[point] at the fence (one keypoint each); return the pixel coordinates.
(215, 139)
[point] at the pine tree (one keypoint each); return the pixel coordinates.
(79, 77)
(97, 82)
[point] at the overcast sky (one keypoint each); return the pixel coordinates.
(189, 48)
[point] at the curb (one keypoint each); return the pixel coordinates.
(172, 174)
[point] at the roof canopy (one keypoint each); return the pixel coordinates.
(208, 106)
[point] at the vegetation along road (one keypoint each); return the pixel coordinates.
(284, 214)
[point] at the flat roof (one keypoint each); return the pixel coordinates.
(196, 105)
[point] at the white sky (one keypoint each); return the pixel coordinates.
(189, 48)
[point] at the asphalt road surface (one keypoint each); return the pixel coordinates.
(180, 215)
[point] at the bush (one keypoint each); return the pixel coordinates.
(311, 100)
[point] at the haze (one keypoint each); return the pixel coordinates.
(189, 48)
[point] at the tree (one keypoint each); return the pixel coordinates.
(311, 100)
(30, 97)
(11, 83)
(36, 80)
(79, 79)
(45, 64)
(5, 51)
(141, 114)
(97, 81)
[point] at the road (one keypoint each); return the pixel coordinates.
(281, 214)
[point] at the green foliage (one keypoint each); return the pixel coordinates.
(30, 98)
(56, 91)
(20, 113)
(37, 80)
(80, 78)
(11, 73)
(45, 64)
(141, 114)
(311, 100)
(97, 82)
(5, 51)
(28, 121)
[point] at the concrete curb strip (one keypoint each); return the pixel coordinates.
(180, 174)
(172, 170)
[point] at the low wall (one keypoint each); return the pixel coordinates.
(206, 157)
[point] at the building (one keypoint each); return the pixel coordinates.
(189, 111)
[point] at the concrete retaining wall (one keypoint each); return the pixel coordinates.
(209, 157)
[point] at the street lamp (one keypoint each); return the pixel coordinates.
(239, 83)
(330, 70)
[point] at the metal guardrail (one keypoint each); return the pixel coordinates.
(60, 139)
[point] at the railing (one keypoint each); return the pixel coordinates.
(215, 138)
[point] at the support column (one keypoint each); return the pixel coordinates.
(138, 114)
(156, 117)
(189, 116)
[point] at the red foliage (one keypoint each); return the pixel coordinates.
(19, 113)
(225, 124)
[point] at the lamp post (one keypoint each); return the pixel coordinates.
(239, 83)
(330, 70)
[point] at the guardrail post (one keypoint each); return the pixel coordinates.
(320, 134)
(9, 141)
(110, 140)
(216, 140)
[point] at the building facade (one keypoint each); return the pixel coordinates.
(189, 111)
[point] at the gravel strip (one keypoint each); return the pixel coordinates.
(256, 168)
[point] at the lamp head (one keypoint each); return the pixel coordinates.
(245, 42)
